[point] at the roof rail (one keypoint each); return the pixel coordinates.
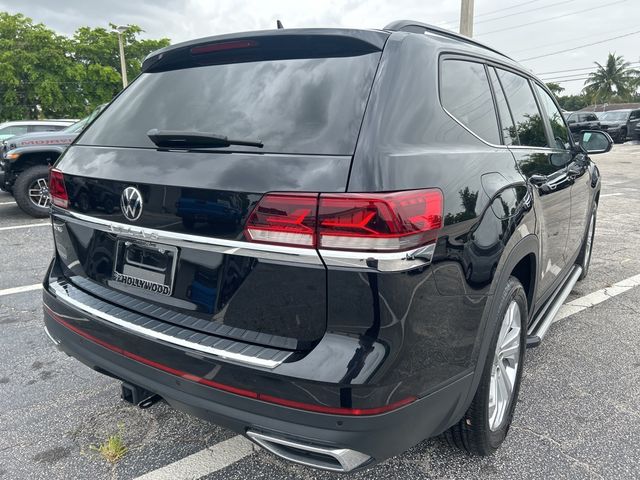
(419, 27)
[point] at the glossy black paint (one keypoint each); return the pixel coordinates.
(366, 338)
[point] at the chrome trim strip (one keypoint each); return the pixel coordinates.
(269, 253)
(379, 261)
(333, 259)
(346, 458)
(64, 297)
(55, 342)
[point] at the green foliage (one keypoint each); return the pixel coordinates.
(555, 88)
(46, 75)
(571, 103)
(613, 81)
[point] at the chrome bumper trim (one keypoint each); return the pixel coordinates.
(273, 361)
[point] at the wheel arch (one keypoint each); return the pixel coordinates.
(30, 158)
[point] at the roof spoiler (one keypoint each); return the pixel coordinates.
(419, 27)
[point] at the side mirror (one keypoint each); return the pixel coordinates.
(595, 141)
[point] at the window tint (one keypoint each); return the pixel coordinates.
(558, 128)
(526, 115)
(635, 114)
(301, 105)
(465, 93)
(509, 133)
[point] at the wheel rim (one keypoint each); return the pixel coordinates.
(39, 193)
(589, 244)
(506, 362)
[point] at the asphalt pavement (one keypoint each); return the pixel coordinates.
(578, 414)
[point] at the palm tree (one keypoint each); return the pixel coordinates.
(614, 78)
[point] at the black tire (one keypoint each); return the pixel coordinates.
(473, 432)
(584, 258)
(21, 190)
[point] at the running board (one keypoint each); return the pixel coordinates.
(544, 320)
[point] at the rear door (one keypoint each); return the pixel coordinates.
(634, 121)
(544, 164)
(166, 226)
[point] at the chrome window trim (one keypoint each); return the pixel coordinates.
(62, 295)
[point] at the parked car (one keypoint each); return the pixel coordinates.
(407, 214)
(582, 121)
(636, 132)
(26, 159)
(620, 123)
(22, 127)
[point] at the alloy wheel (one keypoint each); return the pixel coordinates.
(505, 366)
(39, 193)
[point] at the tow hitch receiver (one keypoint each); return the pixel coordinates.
(138, 395)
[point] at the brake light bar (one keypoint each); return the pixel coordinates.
(222, 46)
(385, 222)
(57, 189)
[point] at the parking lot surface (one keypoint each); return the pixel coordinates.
(578, 414)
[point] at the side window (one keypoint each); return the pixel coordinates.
(558, 127)
(592, 117)
(15, 130)
(634, 115)
(42, 128)
(465, 94)
(509, 133)
(526, 116)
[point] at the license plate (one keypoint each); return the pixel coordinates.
(146, 265)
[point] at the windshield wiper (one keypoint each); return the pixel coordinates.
(192, 140)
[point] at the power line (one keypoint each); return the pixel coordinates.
(565, 15)
(455, 21)
(538, 47)
(581, 46)
(525, 11)
(576, 69)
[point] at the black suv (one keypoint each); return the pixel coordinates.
(334, 242)
(582, 121)
(620, 124)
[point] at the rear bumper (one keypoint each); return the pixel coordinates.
(377, 436)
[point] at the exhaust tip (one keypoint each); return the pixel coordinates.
(325, 458)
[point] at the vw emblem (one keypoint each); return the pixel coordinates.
(131, 203)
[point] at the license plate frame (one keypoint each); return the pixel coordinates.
(145, 265)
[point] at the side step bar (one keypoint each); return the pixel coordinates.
(544, 319)
(326, 458)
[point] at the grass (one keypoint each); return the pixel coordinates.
(113, 449)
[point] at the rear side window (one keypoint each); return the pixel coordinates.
(298, 105)
(528, 121)
(634, 115)
(558, 127)
(509, 133)
(465, 94)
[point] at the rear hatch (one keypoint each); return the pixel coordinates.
(161, 227)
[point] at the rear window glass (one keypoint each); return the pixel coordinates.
(524, 109)
(465, 94)
(303, 105)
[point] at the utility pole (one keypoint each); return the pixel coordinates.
(123, 64)
(466, 18)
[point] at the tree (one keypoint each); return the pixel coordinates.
(614, 79)
(555, 88)
(571, 103)
(44, 74)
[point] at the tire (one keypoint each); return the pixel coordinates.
(584, 258)
(484, 426)
(33, 180)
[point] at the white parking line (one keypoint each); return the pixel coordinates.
(7, 203)
(611, 194)
(204, 462)
(28, 225)
(597, 297)
(26, 288)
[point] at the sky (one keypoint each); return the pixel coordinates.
(521, 29)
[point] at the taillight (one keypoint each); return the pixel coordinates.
(350, 221)
(222, 46)
(382, 222)
(284, 219)
(57, 190)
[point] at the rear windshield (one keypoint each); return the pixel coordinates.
(303, 105)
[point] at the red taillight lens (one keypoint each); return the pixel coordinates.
(284, 219)
(381, 222)
(351, 221)
(57, 190)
